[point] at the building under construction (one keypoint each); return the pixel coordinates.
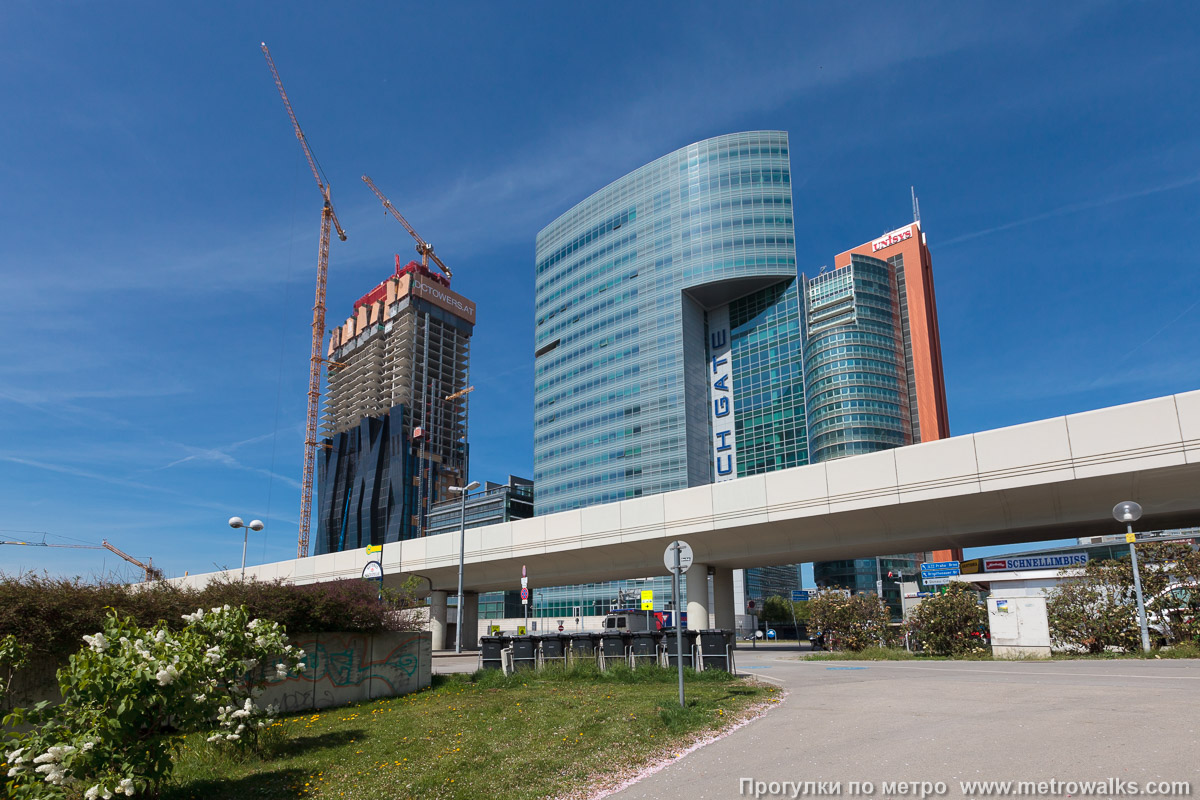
(395, 419)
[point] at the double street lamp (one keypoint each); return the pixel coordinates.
(255, 525)
(1130, 512)
(462, 542)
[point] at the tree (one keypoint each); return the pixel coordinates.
(780, 609)
(849, 622)
(1097, 608)
(945, 623)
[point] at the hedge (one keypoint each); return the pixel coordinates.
(51, 615)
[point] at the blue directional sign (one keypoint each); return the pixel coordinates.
(938, 571)
(799, 595)
(932, 565)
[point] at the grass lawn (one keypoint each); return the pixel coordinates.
(527, 735)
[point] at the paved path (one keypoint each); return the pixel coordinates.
(951, 721)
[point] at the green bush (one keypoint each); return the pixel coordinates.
(130, 690)
(850, 623)
(944, 623)
(1097, 608)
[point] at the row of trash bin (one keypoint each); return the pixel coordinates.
(707, 649)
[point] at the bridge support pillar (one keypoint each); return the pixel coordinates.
(437, 620)
(697, 596)
(469, 616)
(723, 598)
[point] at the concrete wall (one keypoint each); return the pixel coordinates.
(343, 668)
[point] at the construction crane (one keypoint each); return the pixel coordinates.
(328, 219)
(151, 572)
(424, 248)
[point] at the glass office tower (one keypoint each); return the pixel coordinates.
(668, 344)
(873, 374)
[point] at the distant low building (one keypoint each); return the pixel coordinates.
(496, 503)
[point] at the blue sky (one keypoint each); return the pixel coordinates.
(159, 223)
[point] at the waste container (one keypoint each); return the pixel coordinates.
(614, 646)
(583, 645)
(555, 646)
(716, 649)
(644, 646)
(489, 650)
(689, 642)
(525, 652)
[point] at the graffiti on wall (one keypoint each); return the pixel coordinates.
(346, 668)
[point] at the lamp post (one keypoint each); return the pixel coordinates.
(1130, 512)
(462, 543)
(255, 525)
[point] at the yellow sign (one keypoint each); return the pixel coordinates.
(374, 548)
(520, 630)
(969, 567)
(1131, 537)
(494, 629)
(647, 599)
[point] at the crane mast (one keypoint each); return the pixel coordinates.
(329, 221)
(424, 248)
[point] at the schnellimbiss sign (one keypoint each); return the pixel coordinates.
(1057, 561)
(720, 392)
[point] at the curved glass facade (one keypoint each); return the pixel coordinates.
(625, 282)
(854, 363)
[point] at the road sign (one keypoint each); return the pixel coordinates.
(647, 599)
(879, 588)
(521, 630)
(524, 581)
(936, 573)
(373, 571)
(524, 594)
(685, 557)
(799, 595)
(560, 628)
(374, 548)
(750, 605)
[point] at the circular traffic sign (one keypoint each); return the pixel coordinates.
(685, 557)
(373, 571)
(524, 594)
(560, 627)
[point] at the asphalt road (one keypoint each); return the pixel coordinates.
(952, 721)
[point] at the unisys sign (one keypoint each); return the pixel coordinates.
(889, 239)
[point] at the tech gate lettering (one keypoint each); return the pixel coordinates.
(720, 392)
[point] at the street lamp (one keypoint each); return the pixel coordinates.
(255, 525)
(1130, 512)
(541, 605)
(462, 543)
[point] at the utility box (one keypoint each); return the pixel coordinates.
(1019, 626)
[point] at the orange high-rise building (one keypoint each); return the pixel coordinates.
(908, 252)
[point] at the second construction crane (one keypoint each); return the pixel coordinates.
(424, 248)
(328, 219)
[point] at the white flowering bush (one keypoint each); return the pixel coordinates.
(129, 689)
